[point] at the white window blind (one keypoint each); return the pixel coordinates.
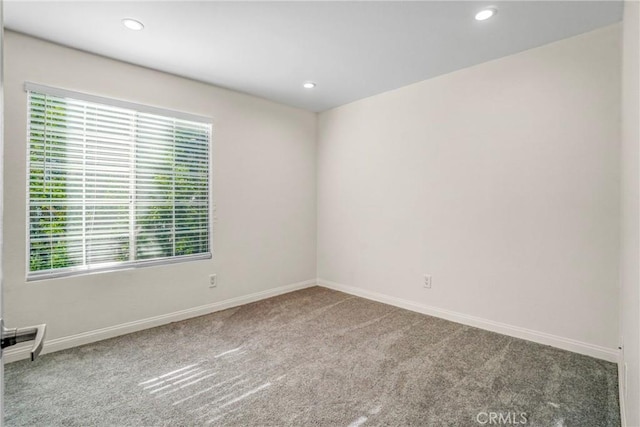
(113, 184)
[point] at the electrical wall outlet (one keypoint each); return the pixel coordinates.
(213, 280)
(427, 281)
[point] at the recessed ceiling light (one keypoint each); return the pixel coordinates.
(486, 14)
(132, 24)
(308, 85)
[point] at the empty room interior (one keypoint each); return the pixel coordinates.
(420, 213)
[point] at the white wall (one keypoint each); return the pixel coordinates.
(501, 180)
(1, 201)
(630, 254)
(264, 184)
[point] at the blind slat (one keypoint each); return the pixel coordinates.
(111, 185)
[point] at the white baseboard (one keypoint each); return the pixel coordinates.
(599, 352)
(622, 387)
(57, 344)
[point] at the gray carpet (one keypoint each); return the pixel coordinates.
(312, 358)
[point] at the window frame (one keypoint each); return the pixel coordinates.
(31, 276)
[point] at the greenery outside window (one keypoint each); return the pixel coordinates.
(113, 184)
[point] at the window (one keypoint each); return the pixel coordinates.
(113, 184)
